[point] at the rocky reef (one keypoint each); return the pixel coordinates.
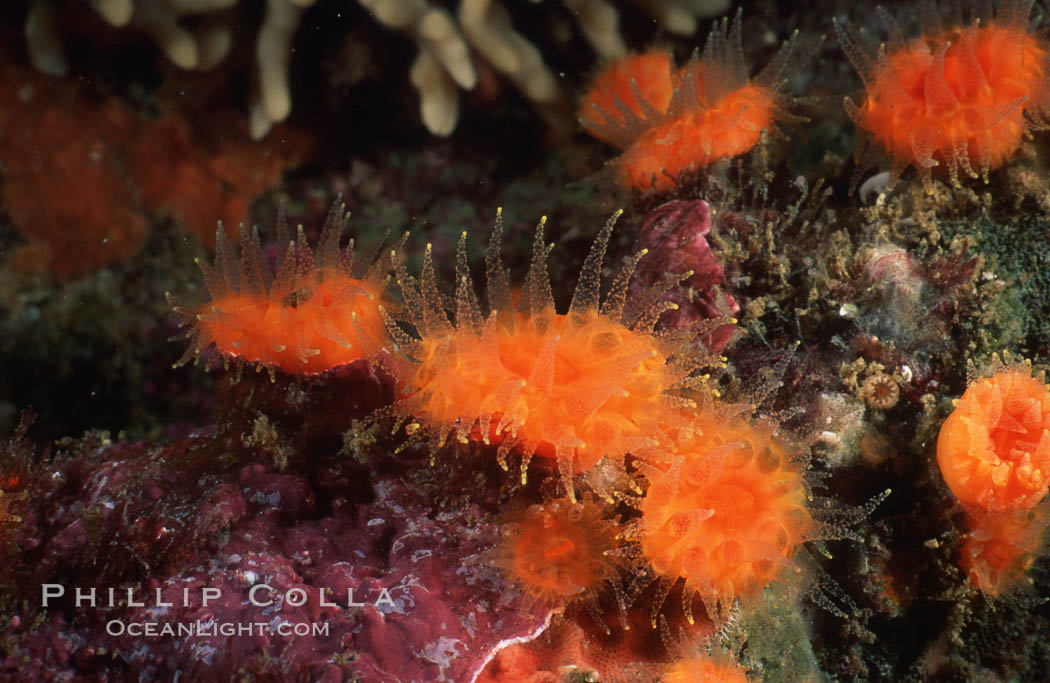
(769, 410)
(248, 548)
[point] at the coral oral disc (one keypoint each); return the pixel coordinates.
(994, 449)
(556, 551)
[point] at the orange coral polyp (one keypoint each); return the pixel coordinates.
(959, 99)
(310, 337)
(671, 123)
(703, 670)
(313, 314)
(619, 86)
(593, 383)
(726, 512)
(556, 552)
(1001, 547)
(994, 448)
(728, 128)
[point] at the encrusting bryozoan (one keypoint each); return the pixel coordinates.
(595, 382)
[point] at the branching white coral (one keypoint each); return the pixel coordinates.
(273, 53)
(116, 12)
(45, 45)
(160, 21)
(679, 16)
(600, 23)
(447, 44)
(444, 61)
(487, 26)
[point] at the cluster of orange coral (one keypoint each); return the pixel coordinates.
(725, 508)
(994, 454)
(722, 518)
(78, 169)
(669, 123)
(962, 97)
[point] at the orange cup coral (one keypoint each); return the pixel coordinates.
(576, 387)
(994, 449)
(557, 552)
(1001, 547)
(994, 454)
(726, 511)
(703, 670)
(671, 123)
(316, 312)
(963, 96)
(639, 83)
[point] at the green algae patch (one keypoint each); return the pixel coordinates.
(1017, 254)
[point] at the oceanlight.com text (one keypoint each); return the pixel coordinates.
(157, 629)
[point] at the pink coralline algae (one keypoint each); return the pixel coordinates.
(289, 574)
(675, 233)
